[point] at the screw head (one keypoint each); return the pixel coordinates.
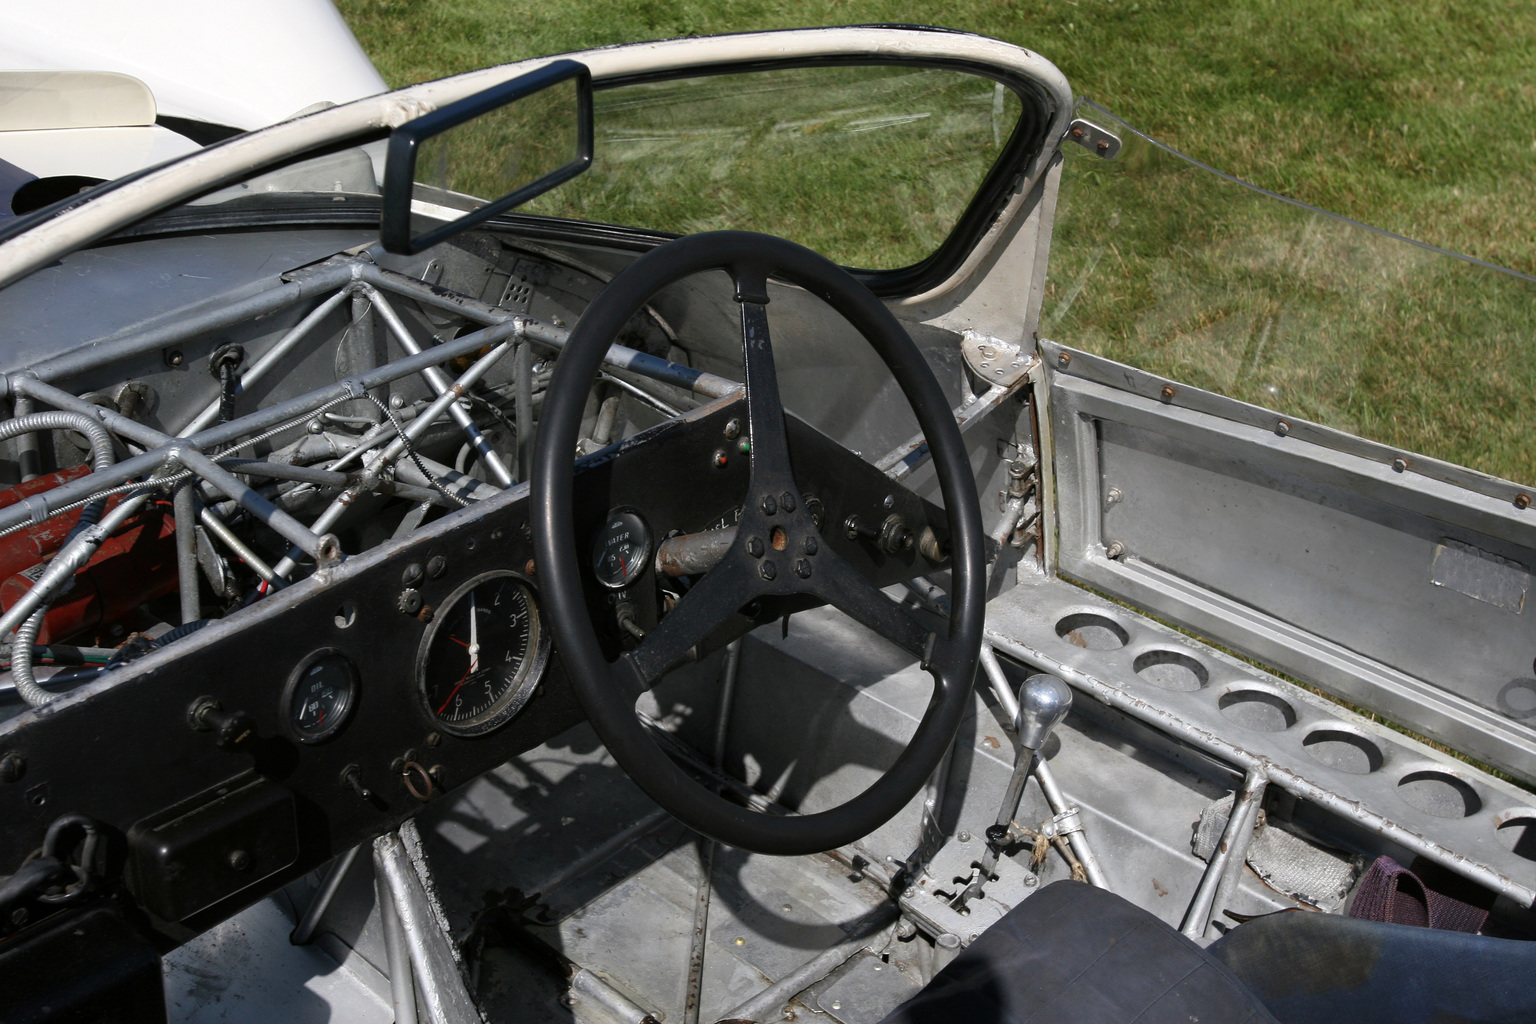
(803, 568)
(755, 547)
(436, 566)
(412, 574)
(964, 837)
(809, 545)
(768, 570)
(529, 567)
(733, 430)
(240, 860)
(173, 357)
(768, 505)
(1031, 880)
(889, 502)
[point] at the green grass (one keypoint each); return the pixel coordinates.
(1419, 118)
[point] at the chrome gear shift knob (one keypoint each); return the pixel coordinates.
(1044, 701)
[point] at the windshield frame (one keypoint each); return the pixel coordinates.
(114, 208)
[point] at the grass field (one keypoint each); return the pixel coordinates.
(1419, 118)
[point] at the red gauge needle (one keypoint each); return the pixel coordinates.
(456, 640)
(456, 688)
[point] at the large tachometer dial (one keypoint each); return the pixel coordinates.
(483, 656)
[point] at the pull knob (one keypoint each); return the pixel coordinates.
(231, 730)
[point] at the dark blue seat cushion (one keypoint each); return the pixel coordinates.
(1074, 954)
(1322, 968)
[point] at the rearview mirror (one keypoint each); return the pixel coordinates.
(486, 153)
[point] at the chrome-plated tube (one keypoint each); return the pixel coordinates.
(290, 528)
(438, 382)
(184, 505)
(102, 454)
(21, 660)
(1233, 848)
(384, 459)
(257, 370)
(402, 987)
(216, 526)
(27, 458)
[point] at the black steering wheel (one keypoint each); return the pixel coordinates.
(608, 690)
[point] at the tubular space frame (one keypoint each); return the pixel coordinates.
(346, 275)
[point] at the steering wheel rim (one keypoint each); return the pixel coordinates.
(607, 691)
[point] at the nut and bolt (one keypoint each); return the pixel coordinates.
(768, 505)
(768, 570)
(1399, 465)
(1064, 358)
(803, 568)
(733, 430)
(1282, 428)
(1168, 392)
(755, 547)
(1114, 550)
(809, 545)
(787, 502)
(1113, 496)
(1522, 500)
(1103, 145)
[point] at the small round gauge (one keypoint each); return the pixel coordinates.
(320, 696)
(620, 549)
(483, 656)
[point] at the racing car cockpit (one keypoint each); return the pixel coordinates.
(640, 536)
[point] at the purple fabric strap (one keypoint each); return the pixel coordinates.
(1390, 892)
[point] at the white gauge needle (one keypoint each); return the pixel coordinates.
(474, 634)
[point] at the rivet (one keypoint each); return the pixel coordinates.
(739, 941)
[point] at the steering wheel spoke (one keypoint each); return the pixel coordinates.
(844, 588)
(717, 596)
(771, 470)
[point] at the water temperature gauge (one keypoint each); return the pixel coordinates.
(620, 550)
(320, 696)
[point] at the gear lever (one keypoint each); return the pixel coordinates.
(1044, 701)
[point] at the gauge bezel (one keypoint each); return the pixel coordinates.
(348, 706)
(521, 692)
(642, 564)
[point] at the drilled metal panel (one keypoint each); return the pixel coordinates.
(1327, 564)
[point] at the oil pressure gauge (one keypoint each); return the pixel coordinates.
(320, 696)
(620, 550)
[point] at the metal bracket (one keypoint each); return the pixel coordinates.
(1093, 138)
(994, 361)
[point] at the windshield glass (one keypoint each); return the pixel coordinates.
(870, 166)
(1165, 264)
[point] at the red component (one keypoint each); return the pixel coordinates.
(134, 566)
